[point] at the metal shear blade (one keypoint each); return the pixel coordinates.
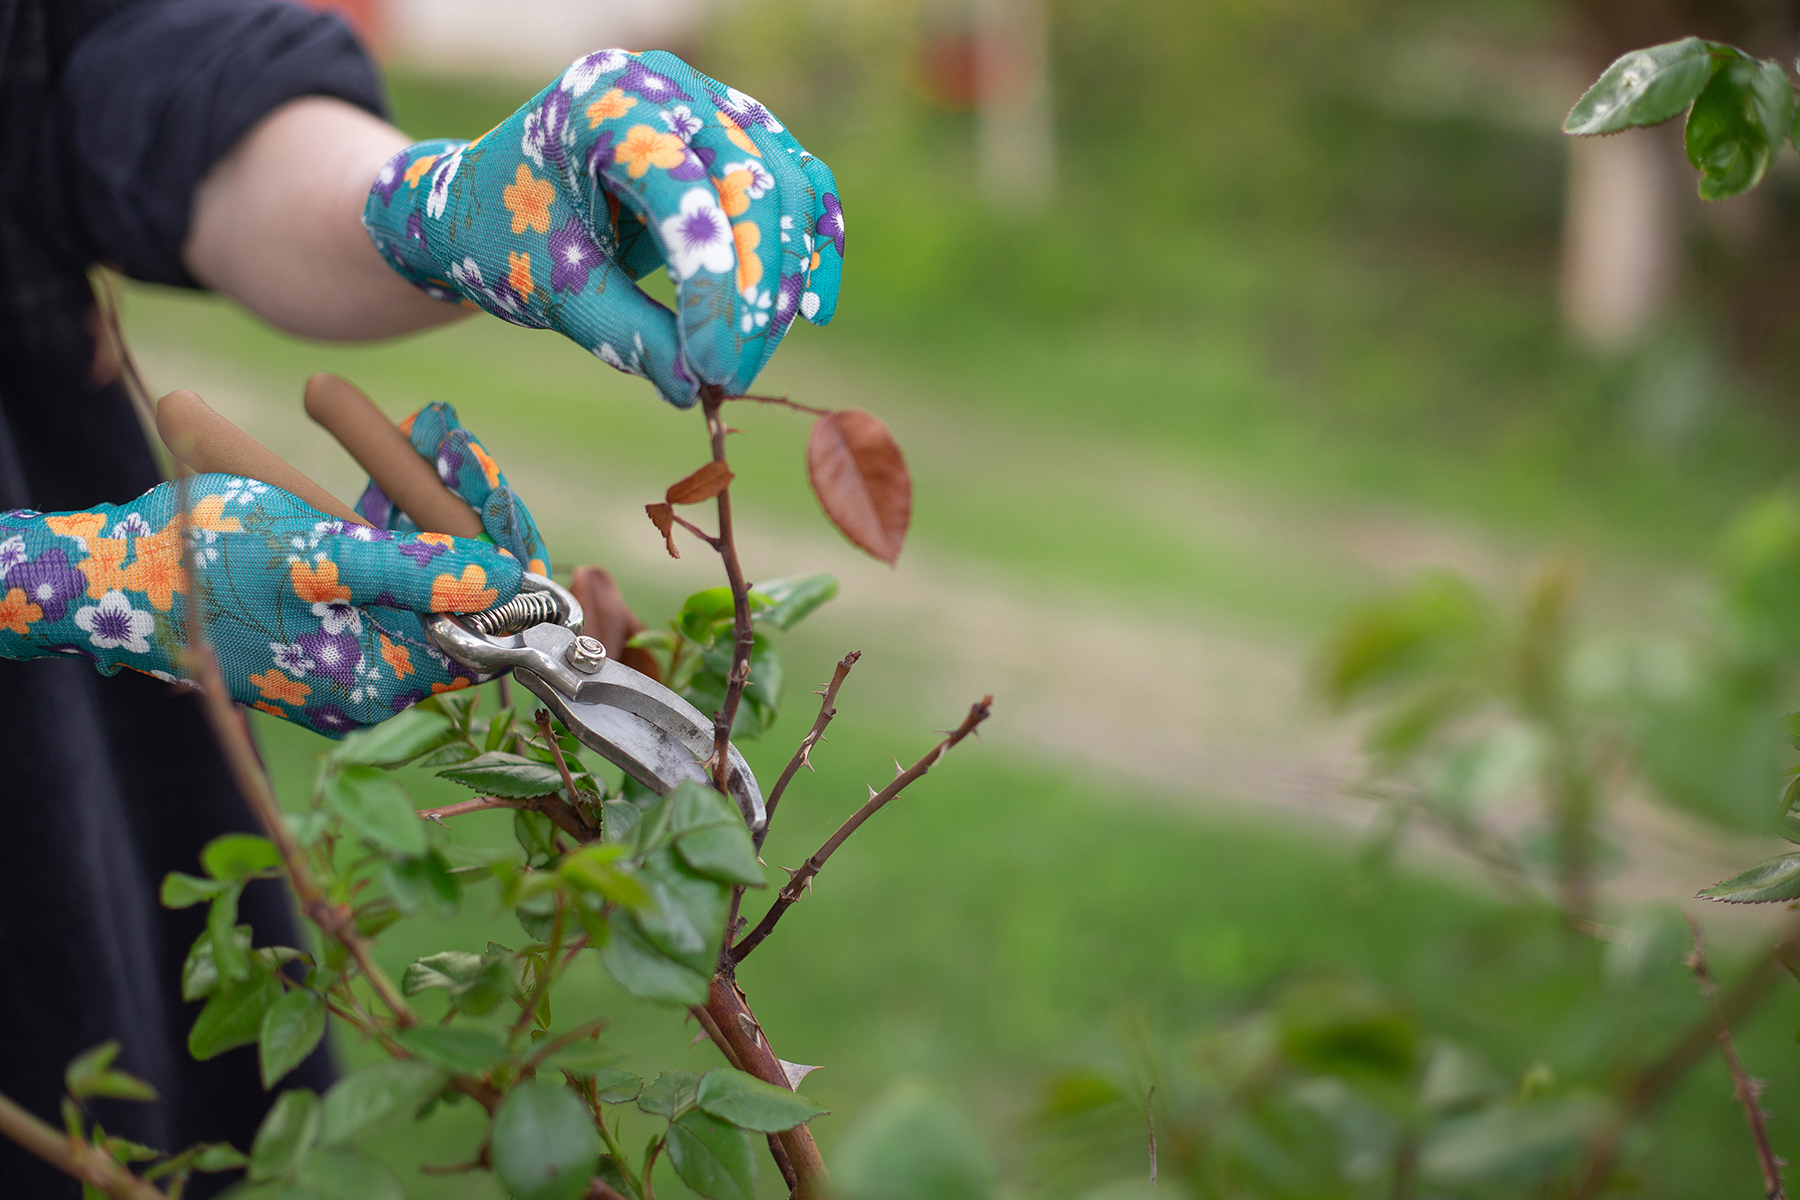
(625, 716)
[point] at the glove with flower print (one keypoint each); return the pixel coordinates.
(625, 163)
(312, 619)
(471, 473)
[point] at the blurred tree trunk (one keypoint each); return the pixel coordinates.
(1015, 134)
(1622, 231)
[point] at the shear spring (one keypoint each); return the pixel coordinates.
(521, 612)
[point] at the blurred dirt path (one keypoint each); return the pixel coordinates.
(1207, 709)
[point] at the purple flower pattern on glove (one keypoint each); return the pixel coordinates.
(831, 223)
(48, 582)
(653, 86)
(572, 256)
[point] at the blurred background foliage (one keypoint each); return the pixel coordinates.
(1311, 254)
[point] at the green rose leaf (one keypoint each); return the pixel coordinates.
(230, 958)
(1644, 87)
(595, 869)
(793, 599)
(90, 1073)
(670, 1094)
(749, 1103)
(373, 1096)
(421, 883)
(235, 857)
(372, 804)
(462, 1051)
(713, 1157)
(1775, 880)
(711, 837)
(645, 971)
(476, 982)
(613, 1086)
(498, 773)
(185, 891)
(291, 1030)
(1737, 124)
(286, 1136)
(200, 973)
(346, 1173)
(685, 918)
(399, 739)
(543, 1143)
(233, 1016)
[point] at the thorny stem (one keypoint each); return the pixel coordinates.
(543, 724)
(742, 636)
(740, 1037)
(564, 814)
(1749, 1091)
(719, 1039)
(1649, 1085)
(336, 920)
(799, 881)
(90, 1164)
(802, 757)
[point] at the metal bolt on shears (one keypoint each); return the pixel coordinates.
(623, 715)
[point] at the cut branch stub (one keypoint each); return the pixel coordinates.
(663, 517)
(860, 477)
(702, 485)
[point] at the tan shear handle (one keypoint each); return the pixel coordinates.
(388, 456)
(206, 441)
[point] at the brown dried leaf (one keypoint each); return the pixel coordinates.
(607, 617)
(860, 477)
(663, 517)
(702, 485)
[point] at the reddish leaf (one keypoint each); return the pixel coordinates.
(861, 480)
(702, 485)
(663, 517)
(607, 617)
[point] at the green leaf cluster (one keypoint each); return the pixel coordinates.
(1740, 109)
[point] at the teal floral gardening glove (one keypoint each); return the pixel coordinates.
(625, 163)
(313, 620)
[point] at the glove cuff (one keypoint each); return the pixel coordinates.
(411, 185)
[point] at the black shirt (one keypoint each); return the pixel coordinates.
(111, 112)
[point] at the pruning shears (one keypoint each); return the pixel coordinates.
(623, 715)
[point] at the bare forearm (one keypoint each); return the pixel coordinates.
(277, 225)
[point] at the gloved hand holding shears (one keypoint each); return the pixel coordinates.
(625, 163)
(313, 613)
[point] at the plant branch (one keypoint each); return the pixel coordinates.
(801, 880)
(719, 1039)
(336, 920)
(735, 1030)
(694, 529)
(566, 816)
(587, 832)
(1649, 1085)
(784, 402)
(1749, 1091)
(742, 636)
(803, 756)
(90, 1164)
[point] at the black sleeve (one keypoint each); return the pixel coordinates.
(156, 93)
